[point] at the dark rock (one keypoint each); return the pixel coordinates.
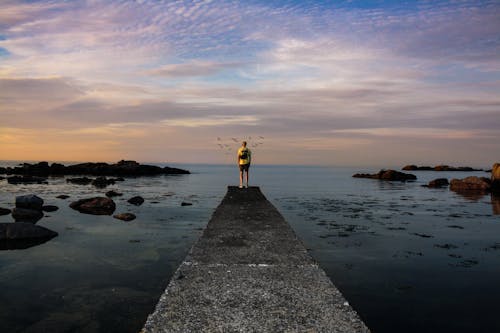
(23, 235)
(122, 168)
(26, 180)
(26, 215)
(112, 193)
(439, 182)
(495, 178)
(94, 206)
(186, 203)
(4, 211)
(102, 182)
(137, 200)
(125, 216)
(391, 175)
(57, 169)
(63, 196)
(2, 178)
(473, 183)
(79, 181)
(413, 167)
(175, 171)
(50, 208)
(29, 201)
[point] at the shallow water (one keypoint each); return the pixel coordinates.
(406, 257)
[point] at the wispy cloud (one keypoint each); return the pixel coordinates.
(316, 76)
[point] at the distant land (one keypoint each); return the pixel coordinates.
(413, 167)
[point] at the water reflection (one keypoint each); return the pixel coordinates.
(495, 203)
(471, 195)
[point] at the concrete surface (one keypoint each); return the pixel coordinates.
(250, 273)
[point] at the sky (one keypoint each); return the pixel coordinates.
(348, 83)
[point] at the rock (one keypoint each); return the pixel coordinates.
(4, 211)
(94, 206)
(495, 178)
(112, 193)
(439, 182)
(79, 181)
(413, 167)
(186, 203)
(15, 180)
(473, 183)
(62, 196)
(49, 208)
(102, 182)
(125, 216)
(29, 201)
(137, 200)
(26, 215)
(390, 175)
(2, 177)
(23, 235)
(122, 168)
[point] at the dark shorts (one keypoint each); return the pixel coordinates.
(244, 167)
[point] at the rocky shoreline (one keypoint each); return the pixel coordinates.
(413, 167)
(37, 172)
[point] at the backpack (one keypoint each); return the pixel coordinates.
(244, 154)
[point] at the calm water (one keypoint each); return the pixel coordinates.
(407, 258)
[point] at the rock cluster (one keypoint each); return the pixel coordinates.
(122, 168)
(413, 167)
(391, 175)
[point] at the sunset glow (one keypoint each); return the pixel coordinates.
(330, 83)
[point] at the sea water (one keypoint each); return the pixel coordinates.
(407, 258)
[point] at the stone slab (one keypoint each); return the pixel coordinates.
(250, 273)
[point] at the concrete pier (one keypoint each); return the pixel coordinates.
(250, 273)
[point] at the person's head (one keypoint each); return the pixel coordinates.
(244, 143)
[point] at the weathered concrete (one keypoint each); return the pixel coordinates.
(250, 273)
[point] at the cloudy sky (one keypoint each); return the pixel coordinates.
(382, 83)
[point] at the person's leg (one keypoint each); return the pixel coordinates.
(247, 175)
(241, 177)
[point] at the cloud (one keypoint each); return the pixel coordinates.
(316, 76)
(191, 69)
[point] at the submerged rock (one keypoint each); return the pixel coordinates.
(50, 208)
(137, 200)
(62, 196)
(29, 201)
(439, 182)
(94, 206)
(79, 180)
(112, 193)
(472, 183)
(26, 215)
(4, 211)
(125, 216)
(102, 182)
(23, 235)
(184, 203)
(390, 175)
(15, 180)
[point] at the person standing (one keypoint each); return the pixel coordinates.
(243, 159)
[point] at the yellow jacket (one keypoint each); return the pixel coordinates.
(241, 156)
